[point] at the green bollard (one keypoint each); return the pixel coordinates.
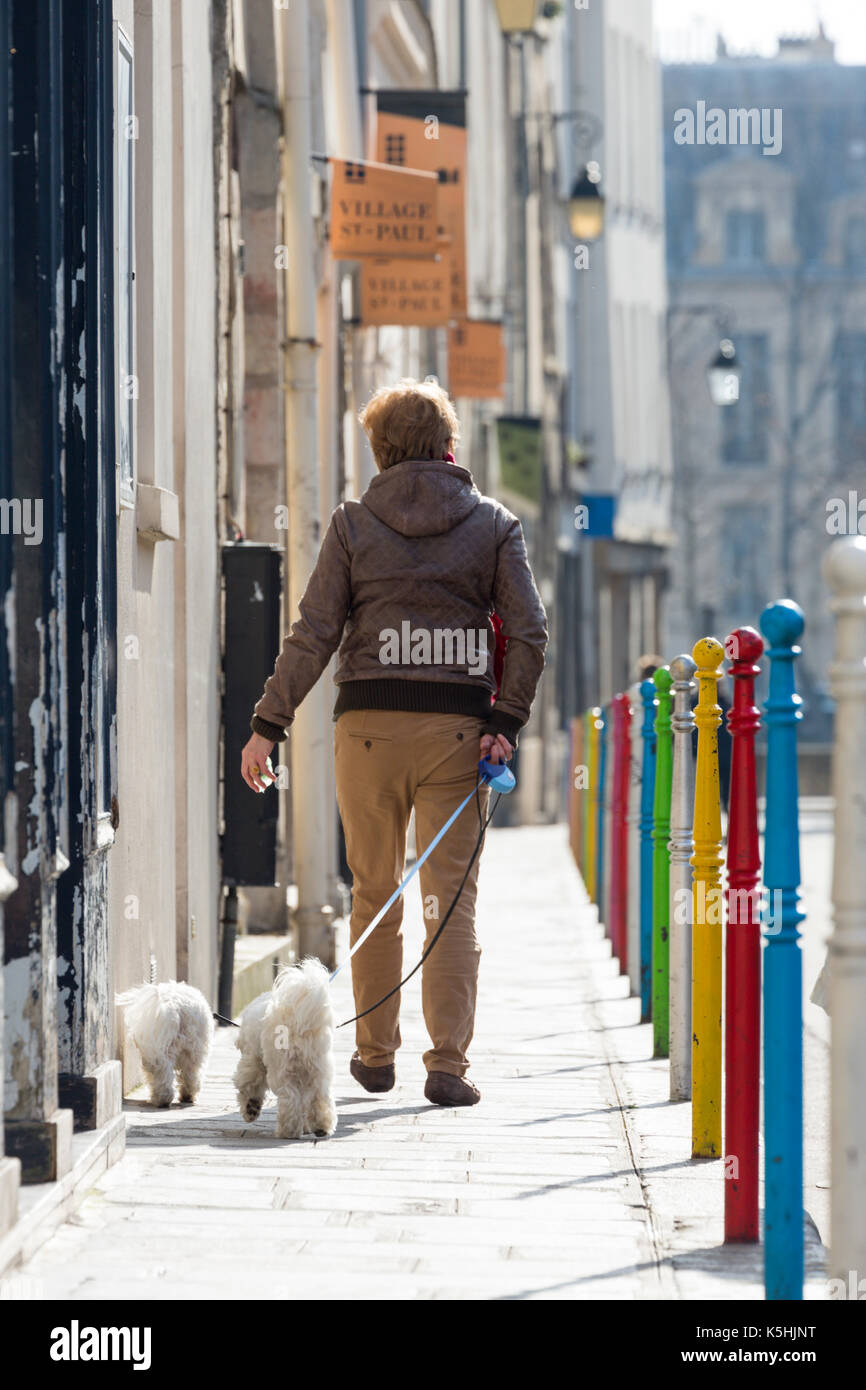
(663, 680)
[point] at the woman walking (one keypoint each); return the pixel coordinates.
(406, 585)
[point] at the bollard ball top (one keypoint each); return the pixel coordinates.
(662, 679)
(683, 669)
(845, 566)
(708, 655)
(782, 622)
(647, 691)
(744, 644)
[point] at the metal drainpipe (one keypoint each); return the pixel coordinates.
(343, 55)
(310, 741)
(342, 74)
(524, 195)
(227, 953)
(359, 20)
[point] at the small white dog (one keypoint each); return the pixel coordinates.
(172, 1027)
(286, 1042)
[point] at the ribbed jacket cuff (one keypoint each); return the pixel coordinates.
(272, 732)
(498, 722)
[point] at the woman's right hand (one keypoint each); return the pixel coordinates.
(254, 759)
(496, 748)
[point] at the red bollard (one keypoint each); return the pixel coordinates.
(742, 948)
(621, 707)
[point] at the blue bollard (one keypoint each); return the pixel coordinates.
(600, 812)
(647, 798)
(781, 624)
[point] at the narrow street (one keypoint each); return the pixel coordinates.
(385, 386)
(570, 1180)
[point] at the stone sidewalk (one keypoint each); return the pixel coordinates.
(570, 1180)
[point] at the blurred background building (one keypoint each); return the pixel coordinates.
(770, 250)
(620, 409)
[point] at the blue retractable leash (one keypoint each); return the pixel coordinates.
(500, 778)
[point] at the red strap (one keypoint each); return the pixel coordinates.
(499, 653)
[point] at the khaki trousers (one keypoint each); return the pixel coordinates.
(386, 763)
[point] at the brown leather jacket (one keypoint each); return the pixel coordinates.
(404, 585)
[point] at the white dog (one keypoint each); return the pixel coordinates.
(172, 1027)
(285, 1043)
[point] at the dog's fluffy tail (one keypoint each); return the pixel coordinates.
(301, 993)
(145, 1016)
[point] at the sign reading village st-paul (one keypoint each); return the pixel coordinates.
(378, 210)
(407, 292)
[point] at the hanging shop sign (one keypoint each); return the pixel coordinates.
(406, 292)
(476, 359)
(427, 130)
(378, 210)
(520, 456)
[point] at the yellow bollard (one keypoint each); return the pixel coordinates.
(707, 912)
(577, 789)
(590, 820)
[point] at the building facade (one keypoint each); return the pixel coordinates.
(58, 691)
(619, 404)
(109, 690)
(766, 245)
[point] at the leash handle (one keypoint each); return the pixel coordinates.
(497, 775)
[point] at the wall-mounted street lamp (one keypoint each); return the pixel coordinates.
(723, 375)
(724, 372)
(516, 16)
(586, 200)
(586, 204)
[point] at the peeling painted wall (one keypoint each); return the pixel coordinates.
(163, 866)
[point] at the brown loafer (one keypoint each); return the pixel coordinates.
(372, 1078)
(444, 1089)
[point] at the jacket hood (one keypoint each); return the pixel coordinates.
(423, 497)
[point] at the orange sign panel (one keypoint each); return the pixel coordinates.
(419, 144)
(406, 292)
(378, 210)
(476, 359)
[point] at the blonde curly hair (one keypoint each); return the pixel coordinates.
(412, 420)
